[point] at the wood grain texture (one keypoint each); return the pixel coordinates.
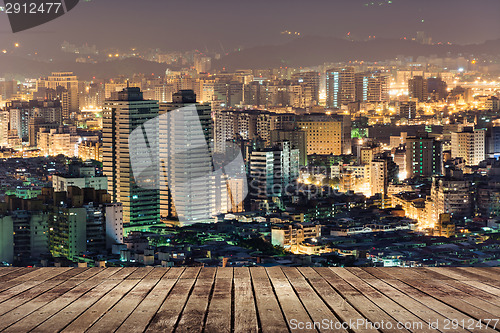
(241, 299)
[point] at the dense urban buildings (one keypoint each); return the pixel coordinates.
(198, 162)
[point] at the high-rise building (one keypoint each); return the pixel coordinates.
(202, 64)
(367, 154)
(19, 121)
(494, 141)
(272, 170)
(469, 144)
(4, 128)
(423, 156)
(450, 194)
(188, 190)
(67, 84)
(297, 140)
(326, 134)
(123, 113)
(309, 83)
(340, 87)
(378, 177)
(371, 87)
(383, 171)
(226, 129)
(90, 150)
(81, 223)
(408, 110)
(437, 89)
(418, 89)
(53, 142)
(7, 239)
(8, 89)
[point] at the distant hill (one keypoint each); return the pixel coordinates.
(312, 51)
(306, 51)
(13, 67)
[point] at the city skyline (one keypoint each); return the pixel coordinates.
(250, 166)
(218, 26)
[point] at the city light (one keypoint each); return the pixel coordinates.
(206, 151)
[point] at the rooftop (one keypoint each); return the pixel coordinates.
(276, 299)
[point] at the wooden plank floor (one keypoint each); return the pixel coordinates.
(277, 299)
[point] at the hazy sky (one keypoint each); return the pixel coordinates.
(189, 24)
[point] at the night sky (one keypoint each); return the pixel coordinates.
(227, 24)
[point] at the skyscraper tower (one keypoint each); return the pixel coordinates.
(65, 84)
(417, 89)
(122, 113)
(423, 156)
(371, 87)
(188, 190)
(340, 87)
(310, 83)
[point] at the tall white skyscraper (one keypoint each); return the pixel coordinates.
(123, 113)
(187, 185)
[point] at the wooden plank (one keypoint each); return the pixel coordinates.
(457, 274)
(220, 308)
(35, 318)
(314, 305)
(28, 278)
(52, 289)
(467, 303)
(482, 272)
(428, 316)
(140, 273)
(447, 306)
(67, 315)
(167, 316)
(114, 317)
(359, 301)
(379, 274)
(190, 273)
(15, 275)
(140, 318)
(193, 315)
(478, 289)
(427, 274)
(360, 273)
(68, 274)
(88, 273)
(392, 308)
(458, 289)
(268, 310)
(438, 306)
(337, 304)
(174, 273)
(484, 287)
(289, 301)
(157, 273)
(123, 273)
(462, 275)
(20, 294)
(98, 309)
(8, 270)
(245, 312)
